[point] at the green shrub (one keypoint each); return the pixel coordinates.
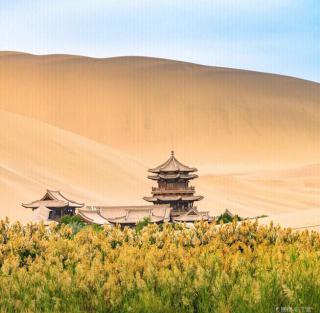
(140, 225)
(75, 222)
(226, 218)
(68, 219)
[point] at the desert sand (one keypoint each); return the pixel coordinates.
(92, 127)
(310, 220)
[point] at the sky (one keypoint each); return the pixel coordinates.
(275, 36)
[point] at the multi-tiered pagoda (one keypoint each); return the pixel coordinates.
(173, 186)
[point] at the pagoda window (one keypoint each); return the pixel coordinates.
(171, 185)
(162, 184)
(183, 185)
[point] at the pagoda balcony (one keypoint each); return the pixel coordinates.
(185, 190)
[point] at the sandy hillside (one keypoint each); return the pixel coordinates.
(35, 156)
(310, 219)
(264, 192)
(92, 127)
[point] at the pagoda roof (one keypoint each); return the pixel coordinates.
(173, 198)
(53, 198)
(172, 176)
(172, 165)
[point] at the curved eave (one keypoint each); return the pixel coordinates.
(46, 203)
(92, 217)
(187, 170)
(156, 177)
(192, 176)
(76, 206)
(199, 198)
(175, 198)
(149, 199)
(123, 221)
(170, 176)
(166, 176)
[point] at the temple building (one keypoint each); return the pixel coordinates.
(171, 201)
(54, 205)
(173, 188)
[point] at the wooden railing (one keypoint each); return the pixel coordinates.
(156, 190)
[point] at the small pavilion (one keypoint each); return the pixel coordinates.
(54, 204)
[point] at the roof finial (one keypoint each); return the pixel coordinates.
(172, 152)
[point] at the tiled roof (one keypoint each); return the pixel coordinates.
(46, 203)
(173, 176)
(57, 195)
(172, 165)
(128, 214)
(173, 198)
(92, 216)
(192, 215)
(53, 199)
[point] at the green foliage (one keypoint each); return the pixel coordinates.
(97, 228)
(68, 219)
(140, 225)
(75, 222)
(226, 218)
(261, 216)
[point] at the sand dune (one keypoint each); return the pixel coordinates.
(146, 106)
(264, 192)
(310, 219)
(92, 127)
(35, 156)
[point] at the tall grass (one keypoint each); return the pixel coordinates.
(247, 268)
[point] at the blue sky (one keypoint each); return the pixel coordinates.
(277, 36)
